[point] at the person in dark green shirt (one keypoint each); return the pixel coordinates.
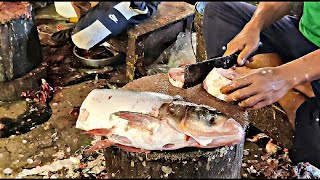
(309, 24)
(286, 70)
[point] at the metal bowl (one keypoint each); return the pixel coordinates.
(118, 57)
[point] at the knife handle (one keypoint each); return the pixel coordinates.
(256, 51)
(233, 57)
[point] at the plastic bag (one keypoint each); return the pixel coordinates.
(178, 54)
(182, 53)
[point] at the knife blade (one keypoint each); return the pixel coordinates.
(195, 73)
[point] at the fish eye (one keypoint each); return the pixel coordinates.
(212, 120)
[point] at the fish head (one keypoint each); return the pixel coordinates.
(184, 112)
(198, 120)
(203, 117)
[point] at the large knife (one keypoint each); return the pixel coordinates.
(195, 73)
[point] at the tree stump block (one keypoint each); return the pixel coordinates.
(20, 49)
(221, 162)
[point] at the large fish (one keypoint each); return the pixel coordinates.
(144, 121)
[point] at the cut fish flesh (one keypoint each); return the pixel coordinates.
(176, 77)
(215, 81)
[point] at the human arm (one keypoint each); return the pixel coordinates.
(265, 86)
(248, 39)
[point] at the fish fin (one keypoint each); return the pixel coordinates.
(100, 145)
(136, 119)
(98, 132)
(132, 149)
(120, 139)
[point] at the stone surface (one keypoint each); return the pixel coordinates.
(12, 110)
(57, 134)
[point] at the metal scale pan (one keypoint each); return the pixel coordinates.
(101, 56)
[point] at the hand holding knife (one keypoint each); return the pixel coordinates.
(195, 73)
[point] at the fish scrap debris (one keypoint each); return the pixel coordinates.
(306, 171)
(79, 165)
(134, 121)
(274, 162)
(257, 137)
(42, 95)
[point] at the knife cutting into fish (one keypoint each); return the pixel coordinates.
(194, 74)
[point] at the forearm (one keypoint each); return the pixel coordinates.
(268, 13)
(302, 70)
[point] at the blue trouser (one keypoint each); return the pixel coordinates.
(222, 21)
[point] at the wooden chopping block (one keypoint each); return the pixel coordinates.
(220, 162)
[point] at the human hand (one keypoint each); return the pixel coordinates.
(258, 88)
(247, 41)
